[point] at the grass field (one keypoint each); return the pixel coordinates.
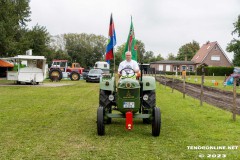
(60, 123)
(208, 81)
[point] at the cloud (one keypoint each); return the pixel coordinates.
(163, 26)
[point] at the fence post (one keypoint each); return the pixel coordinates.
(234, 99)
(165, 78)
(184, 86)
(225, 82)
(201, 95)
(172, 83)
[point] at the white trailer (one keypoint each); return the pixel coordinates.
(101, 65)
(33, 73)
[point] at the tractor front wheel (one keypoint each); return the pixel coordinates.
(74, 76)
(100, 121)
(156, 122)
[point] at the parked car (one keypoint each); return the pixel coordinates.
(94, 75)
(85, 73)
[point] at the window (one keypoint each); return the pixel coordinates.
(215, 58)
(168, 67)
(105, 65)
(191, 68)
(215, 47)
(160, 67)
(174, 68)
(184, 68)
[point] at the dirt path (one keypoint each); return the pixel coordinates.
(216, 97)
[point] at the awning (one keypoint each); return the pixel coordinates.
(5, 64)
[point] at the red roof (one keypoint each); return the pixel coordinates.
(5, 64)
(203, 52)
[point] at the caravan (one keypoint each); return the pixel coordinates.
(101, 65)
(34, 72)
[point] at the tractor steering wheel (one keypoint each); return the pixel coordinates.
(128, 73)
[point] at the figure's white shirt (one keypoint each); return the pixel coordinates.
(131, 65)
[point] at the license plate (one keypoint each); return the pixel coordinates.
(128, 104)
(92, 78)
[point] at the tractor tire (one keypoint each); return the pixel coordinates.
(74, 76)
(103, 99)
(109, 120)
(106, 103)
(151, 102)
(55, 74)
(156, 122)
(100, 121)
(146, 120)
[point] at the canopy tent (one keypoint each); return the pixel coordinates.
(5, 63)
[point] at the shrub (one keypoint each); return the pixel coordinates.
(217, 71)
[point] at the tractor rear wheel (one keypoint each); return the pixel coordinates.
(106, 103)
(55, 74)
(109, 120)
(100, 121)
(151, 101)
(74, 76)
(103, 98)
(146, 120)
(156, 122)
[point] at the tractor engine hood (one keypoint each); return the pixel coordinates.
(128, 83)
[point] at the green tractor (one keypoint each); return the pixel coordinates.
(133, 98)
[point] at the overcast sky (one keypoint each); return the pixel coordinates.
(162, 25)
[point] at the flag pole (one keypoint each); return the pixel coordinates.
(114, 61)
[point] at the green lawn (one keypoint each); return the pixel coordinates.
(208, 81)
(60, 123)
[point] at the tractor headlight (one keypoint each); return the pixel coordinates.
(111, 97)
(107, 83)
(145, 97)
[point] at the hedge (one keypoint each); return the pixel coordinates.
(174, 73)
(217, 71)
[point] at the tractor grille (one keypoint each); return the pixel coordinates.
(128, 93)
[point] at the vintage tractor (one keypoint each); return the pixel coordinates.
(60, 69)
(133, 98)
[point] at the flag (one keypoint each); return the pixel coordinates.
(131, 44)
(111, 41)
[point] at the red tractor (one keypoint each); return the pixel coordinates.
(60, 69)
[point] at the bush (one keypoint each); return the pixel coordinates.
(217, 71)
(174, 73)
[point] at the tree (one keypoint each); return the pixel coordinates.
(14, 16)
(58, 42)
(85, 48)
(148, 57)
(188, 50)
(234, 45)
(140, 50)
(39, 40)
(171, 56)
(118, 56)
(157, 58)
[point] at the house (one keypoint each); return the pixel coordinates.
(173, 66)
(210, 54)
